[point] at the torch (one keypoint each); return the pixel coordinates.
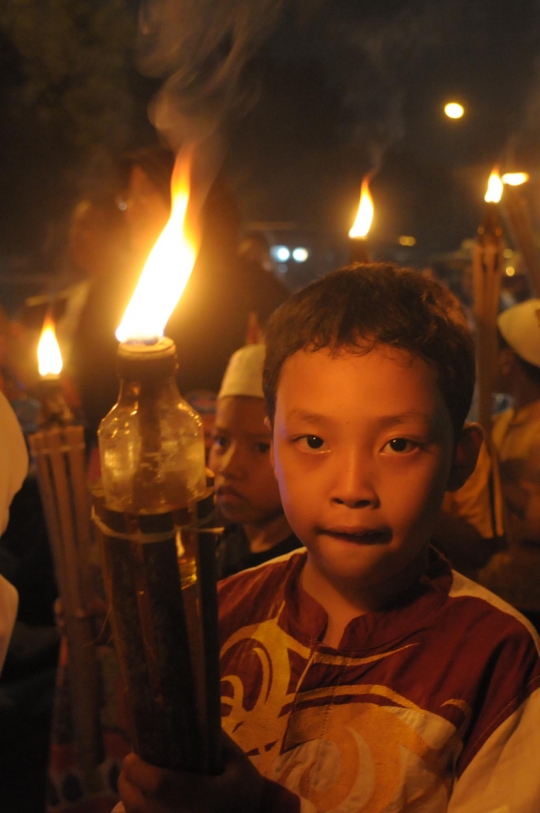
(358, 244)
(487, 270)
(153, 513)
(520, 224)
(59, 452)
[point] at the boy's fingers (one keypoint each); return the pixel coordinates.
(148, 778)
(134, 800)
(239, 788)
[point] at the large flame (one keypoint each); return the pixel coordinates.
(48, 351)
(494, 189)
(364, 217)
(167, 269)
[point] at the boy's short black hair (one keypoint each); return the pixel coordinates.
(360, 306)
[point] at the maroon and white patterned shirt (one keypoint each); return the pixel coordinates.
(432, 706)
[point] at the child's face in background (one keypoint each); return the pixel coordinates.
(363, 447)
(245, 485)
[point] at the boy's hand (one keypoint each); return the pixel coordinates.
(144, 788)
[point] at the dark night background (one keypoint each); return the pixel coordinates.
(332, 90)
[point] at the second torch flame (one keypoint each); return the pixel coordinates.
(48, 351)
(364, 217)
(495, 188)
(167, 269)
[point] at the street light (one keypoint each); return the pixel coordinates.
(454, 110)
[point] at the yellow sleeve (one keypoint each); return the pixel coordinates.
(479, 500)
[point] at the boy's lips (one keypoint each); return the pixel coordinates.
(226, 492)
(359, 534)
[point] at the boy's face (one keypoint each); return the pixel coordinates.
(363, 448)
(245, 485)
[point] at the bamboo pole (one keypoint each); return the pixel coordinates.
(517, 211)
(59, 455)
(359, 250)
(487, 270)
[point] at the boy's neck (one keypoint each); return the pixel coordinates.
(266, 535)
(343, 602)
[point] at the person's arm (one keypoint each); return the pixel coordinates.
(144, 788)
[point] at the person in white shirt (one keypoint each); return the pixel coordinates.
(13, 469)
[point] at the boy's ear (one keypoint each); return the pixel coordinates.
(465, 455)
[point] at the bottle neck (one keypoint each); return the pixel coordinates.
(163, 389)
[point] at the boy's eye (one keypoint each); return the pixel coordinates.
(311, 443)
(262, 447)
(219, 441)
(399, 446)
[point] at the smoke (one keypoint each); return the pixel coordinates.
(215, 57)
(201, 49)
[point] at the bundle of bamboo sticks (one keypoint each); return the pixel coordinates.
(520, 224)
(59, 454)
(159, 573)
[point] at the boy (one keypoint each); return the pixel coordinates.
(246, 489)
(363, 674)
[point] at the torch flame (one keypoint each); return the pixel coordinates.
(364, 217)
(167, 269)
(515, 178)
(48, 351)
(495, 188)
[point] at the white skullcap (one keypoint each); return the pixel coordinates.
(13, 468)
(520, 328)
(243, 375)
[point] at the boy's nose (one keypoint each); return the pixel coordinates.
(232, 463)
(353, 483)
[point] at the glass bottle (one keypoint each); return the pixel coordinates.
(151, 442)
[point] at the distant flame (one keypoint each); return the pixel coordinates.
(364, 217)
(515, 178)
(167, 269)
(495, 188)
(48, 351)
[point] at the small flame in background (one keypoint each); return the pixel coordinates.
(515, 178)
(364, 217)
(494, 189)
(48, 351)
(167, 269)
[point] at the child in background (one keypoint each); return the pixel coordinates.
(246, 489)
(364, 674)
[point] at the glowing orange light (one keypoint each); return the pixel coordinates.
(48, 351)
(364, 217)
(494, 189)
(515, 178)
(454, 110)
(167, 269)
